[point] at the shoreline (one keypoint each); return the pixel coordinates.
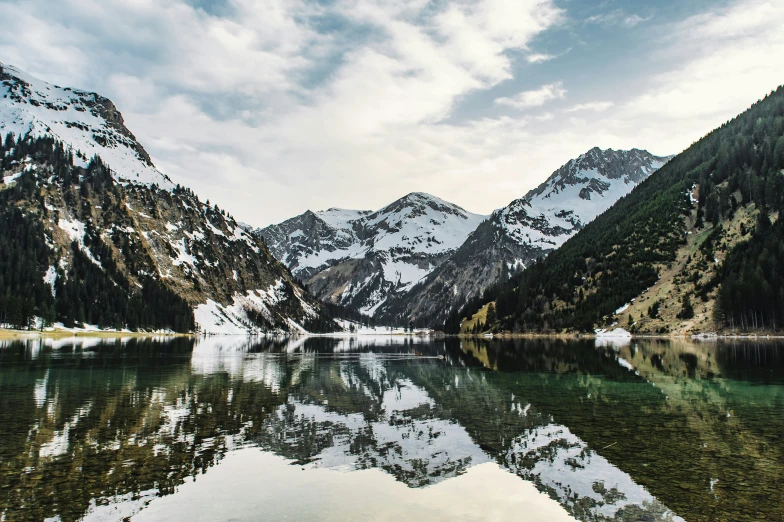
(24, 335)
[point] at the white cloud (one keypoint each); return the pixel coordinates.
(591, 106)
(225, 101)
(616, 18)
(258, 49)
(478, 34)
(539, 57)
(534, 98)
(263, 114)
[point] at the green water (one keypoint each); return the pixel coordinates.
(647, 431)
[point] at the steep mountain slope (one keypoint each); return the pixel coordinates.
(362, 258)
(87, 122)
(93, 233)
(696, 247)
(525, 230)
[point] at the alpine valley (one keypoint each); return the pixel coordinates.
(93, 236)
(613, 243)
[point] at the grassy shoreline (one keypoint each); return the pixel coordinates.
(19, 335)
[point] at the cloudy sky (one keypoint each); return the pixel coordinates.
(272, 107)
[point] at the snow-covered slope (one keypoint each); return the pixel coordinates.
(525, 230)
(360, 258)
(574, 195)
(87, 122)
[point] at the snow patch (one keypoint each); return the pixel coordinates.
(183, 257)
(214, 318)
(622, 309)
(12, 178)
(616, 333)
(51, 277)
(75, 230)
(614, 338)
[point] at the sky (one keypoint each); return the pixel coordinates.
(273, 107)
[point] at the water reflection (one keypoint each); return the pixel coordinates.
(642, 431)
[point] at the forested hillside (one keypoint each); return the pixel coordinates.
(692, 248)
(78, 247)
(90, 289)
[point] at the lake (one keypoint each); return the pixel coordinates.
(390, 427)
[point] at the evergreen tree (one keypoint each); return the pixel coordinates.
(491, 314)
(687, 310)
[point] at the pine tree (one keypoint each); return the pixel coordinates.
(491, 314)
(687, 310)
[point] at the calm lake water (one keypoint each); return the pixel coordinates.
(382, 429)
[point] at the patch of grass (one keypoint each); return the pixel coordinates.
(481, 315)
(6, 334)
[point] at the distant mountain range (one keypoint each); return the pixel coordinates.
(361, 259)
(526, 230)
(420, 257)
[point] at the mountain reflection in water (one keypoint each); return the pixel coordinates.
(644, 431)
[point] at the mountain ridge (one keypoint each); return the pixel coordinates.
(526, 230)
(344, 256)
(85, 121)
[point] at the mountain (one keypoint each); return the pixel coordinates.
(87, 122)
(695, 248)
(361, 259)
(93, 233)
(525, 230)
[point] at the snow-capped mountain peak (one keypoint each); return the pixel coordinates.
(361, 257)
(340, 218)
(422, 223)
(575, 194)
(84, 121)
